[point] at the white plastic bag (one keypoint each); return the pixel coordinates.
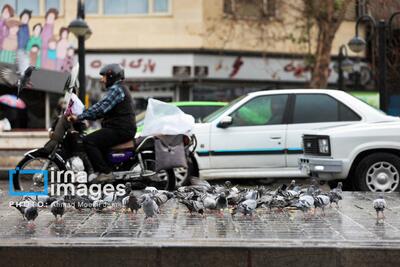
(75, 106)
(166, 119)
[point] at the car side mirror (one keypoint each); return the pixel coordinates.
(225, 122)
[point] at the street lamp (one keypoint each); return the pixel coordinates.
(82, 31)
(358, 44)
(344, 64)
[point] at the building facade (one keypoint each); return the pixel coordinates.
(193, 49)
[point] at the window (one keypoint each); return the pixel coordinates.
(262, 110)
(34, 5)
(321, 108)
(160, 6)
(19, 5)
(250, 8)
(92, 6)
(52, 4)
(125, 7)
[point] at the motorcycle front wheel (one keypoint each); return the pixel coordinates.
(27, 176)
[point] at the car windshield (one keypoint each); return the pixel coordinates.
(218, 112)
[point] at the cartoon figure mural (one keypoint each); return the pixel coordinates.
(23, 33)
(47, 34)
(34, 56)
(10, 44)
(62, 47)
(35, 40)
(6, 12)
(69, 60)
(39, 43)
(50, 62)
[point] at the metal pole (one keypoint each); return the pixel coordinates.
(81, 58)
(340, 70)
(383, 101)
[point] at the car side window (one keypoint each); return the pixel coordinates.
(262, 110)
(346, 114)
(313, 108)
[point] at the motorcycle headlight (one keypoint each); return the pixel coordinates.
(323, 145)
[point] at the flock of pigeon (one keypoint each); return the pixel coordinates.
(200, 197)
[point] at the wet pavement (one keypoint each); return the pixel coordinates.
(351, 225)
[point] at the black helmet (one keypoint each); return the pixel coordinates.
(113, 73)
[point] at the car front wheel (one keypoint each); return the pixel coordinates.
(378, 172)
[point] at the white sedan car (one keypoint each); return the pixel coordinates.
(259, 135)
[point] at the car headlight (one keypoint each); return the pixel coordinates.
(323, 145)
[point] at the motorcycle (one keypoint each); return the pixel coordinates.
(133, 161)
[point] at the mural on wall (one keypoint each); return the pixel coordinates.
(45, 47)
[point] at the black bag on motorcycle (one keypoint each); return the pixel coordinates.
(170, 152)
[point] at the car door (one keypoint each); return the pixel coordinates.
(313, 111)
(255, 138)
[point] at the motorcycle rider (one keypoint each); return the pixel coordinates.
(116, 109)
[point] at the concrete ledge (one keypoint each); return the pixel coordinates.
(12, 141)
(197, 256)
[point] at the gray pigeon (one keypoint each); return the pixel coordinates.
(57, 208)
(208, 201)
(322, 201)
(335, 195)
(379, 206)
(162, 197)
(31, 213)
(28, 209)
(222, 202)
(150, 207)
(246, 207)
(306, 202)
(193, 206)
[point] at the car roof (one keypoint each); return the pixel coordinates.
(297, 91)
(199, 103)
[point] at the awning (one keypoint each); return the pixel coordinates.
(47, 80)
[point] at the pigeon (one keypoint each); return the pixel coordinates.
(379, 205)
(28, 209)
(31, 213)
(151, 189)
(306, 201)
(208, 201)
(150, 207)
(58, 208)
(20, 77)
(234, 196)
(131, 202)
(222, 202)
(336, 194)
(162, 197)
(199, 182)
(322, 201)
(246, 207)
(193, 206)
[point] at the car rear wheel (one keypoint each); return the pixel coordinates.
(378, 172)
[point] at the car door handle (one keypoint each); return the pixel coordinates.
(275, 137)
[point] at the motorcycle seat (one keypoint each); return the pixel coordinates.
(123, 146)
